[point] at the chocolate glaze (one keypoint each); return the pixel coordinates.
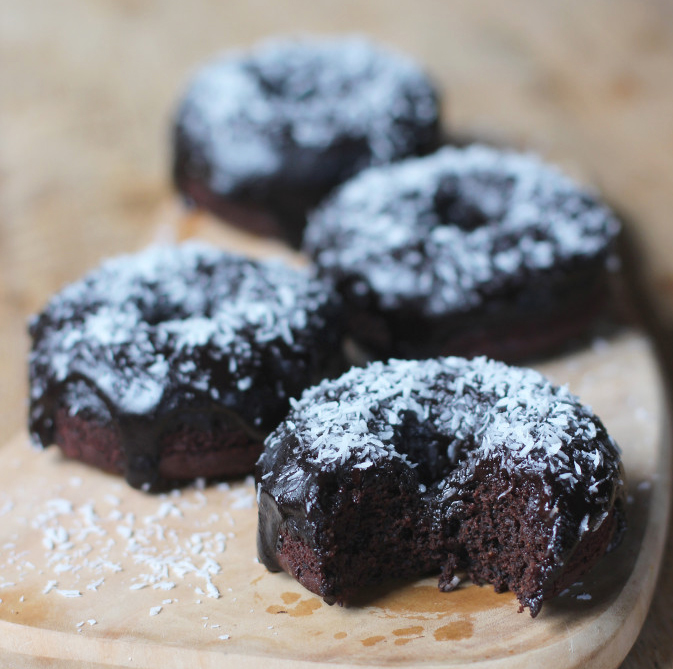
(261, 137)
(405, 468)
(149, 349)
(466, 251)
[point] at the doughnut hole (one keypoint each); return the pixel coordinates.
(472, 201)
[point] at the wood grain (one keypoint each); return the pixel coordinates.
(94, 571)
(87, 89)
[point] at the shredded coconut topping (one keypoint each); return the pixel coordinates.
(94, 559)
(449, 229)
(482, 409)
(164, 318)
(242, 111)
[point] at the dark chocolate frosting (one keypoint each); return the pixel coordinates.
(463, 240)
(435, 430)
(279, 126)
(178, 336)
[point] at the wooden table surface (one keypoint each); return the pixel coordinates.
(87, 90)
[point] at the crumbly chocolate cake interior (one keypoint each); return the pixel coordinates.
(407, 468)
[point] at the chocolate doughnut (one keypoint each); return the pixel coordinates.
(175, 363)
(260, 137)
(466, 251)
(402, 469)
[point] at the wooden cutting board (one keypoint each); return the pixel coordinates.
(94, 573)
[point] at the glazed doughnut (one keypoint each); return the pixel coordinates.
(466, 251)
(260, 137)
(397, 470)
(175, 363)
